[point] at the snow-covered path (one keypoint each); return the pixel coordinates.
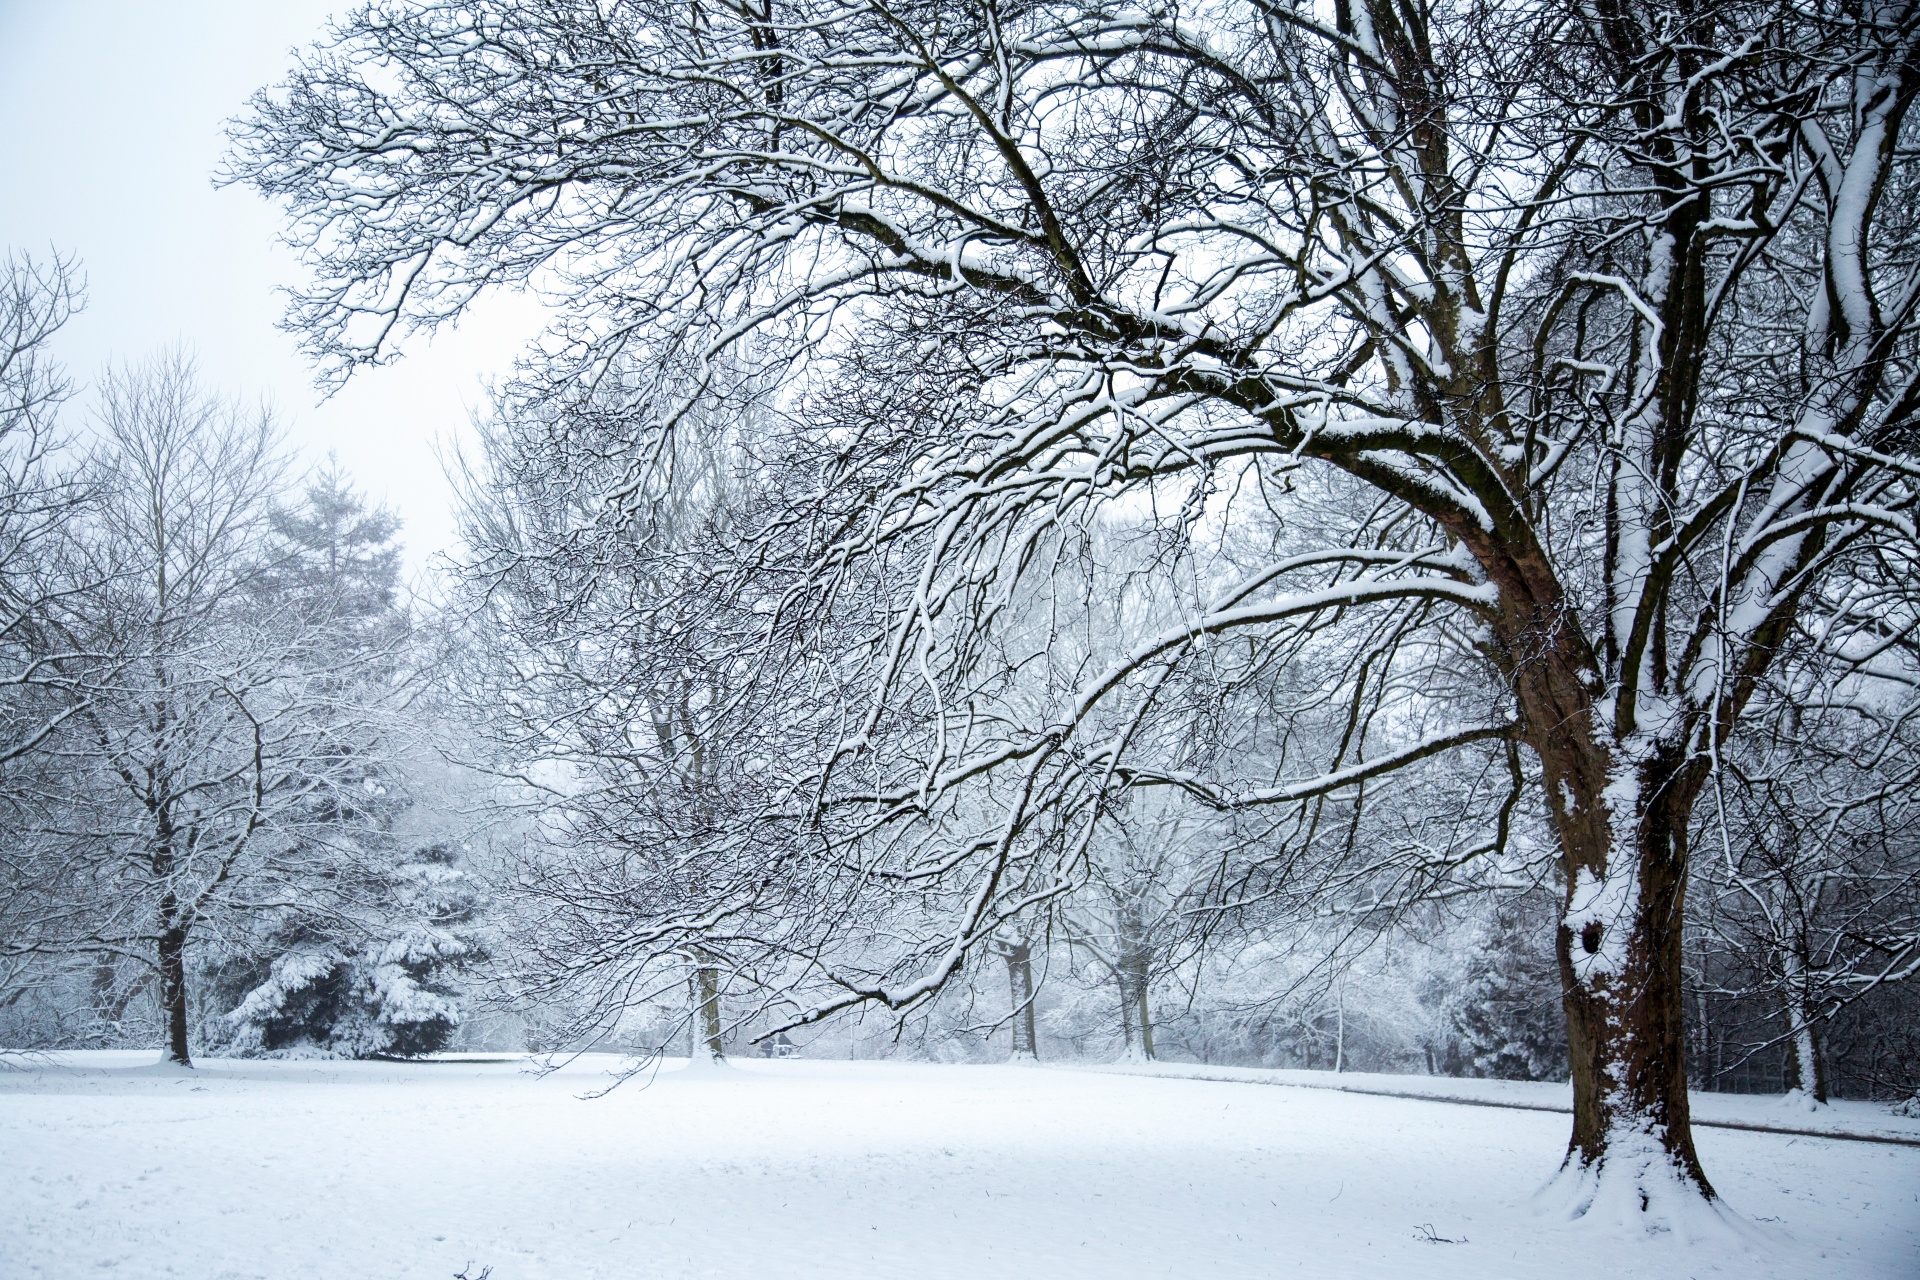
(1861, 1121)
(816, 1169)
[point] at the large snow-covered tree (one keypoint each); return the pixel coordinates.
(1604, 311)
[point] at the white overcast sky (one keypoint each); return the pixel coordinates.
(110, 127)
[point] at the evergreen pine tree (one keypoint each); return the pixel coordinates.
(337, 561)
(370, 969)
(1507, 1007)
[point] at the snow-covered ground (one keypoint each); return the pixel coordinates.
(802, 1169)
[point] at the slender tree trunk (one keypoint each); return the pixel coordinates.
(1019, 957)
(106, 1017)
(1132, 969)
(173, 981)
(1701, 1055)
(1135, 967)
(1339, 1028)
(1806, 1066)
(708, 1041)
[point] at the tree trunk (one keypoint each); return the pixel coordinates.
(1135, 968)
(707, 1038)
(1620, 813)
(1340, 1028)
(1625, 849)
(1700, 1056)
(1019, 957)
(1145, 1014)
(106, 1014)
(1806, 1067)
(173, 982)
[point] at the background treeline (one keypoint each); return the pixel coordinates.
(244, 802)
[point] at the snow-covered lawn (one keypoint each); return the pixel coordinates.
(851, 1170)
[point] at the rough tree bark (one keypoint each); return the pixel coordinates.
(1619, 947)
(173, 981)
(1622, 827)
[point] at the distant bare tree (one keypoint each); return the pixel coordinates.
(1809, 894)
(600, 655)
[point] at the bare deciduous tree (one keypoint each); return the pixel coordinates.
(38, 500)
(202, 725)
(1809, 883)
(1606, 310)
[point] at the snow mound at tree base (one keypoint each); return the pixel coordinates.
(1637, 1190)
(1802, 1101)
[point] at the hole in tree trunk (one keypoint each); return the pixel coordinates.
(1590, 938)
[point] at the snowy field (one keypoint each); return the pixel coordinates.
(852, 1170)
